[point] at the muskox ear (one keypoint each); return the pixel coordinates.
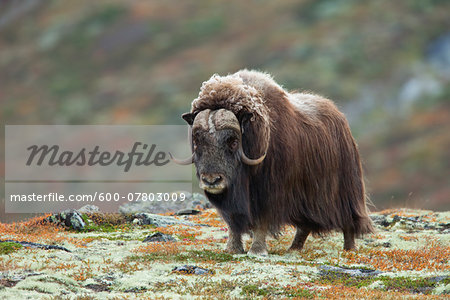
(188, 117)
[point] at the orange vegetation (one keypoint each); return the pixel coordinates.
(433, 258)
(409, 237)
(84, 272)
(344, 292)
(37, 230)
(168, 248)
(377, 236)
(183, 232)
(209, 217)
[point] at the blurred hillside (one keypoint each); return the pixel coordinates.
(385, 63)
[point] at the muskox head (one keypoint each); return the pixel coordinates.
(217, 144)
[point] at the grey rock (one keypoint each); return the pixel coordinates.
(74, 220)
(188, 269)
(160, 221)
(36, 245)
(337, 271)
(187, 211)
(413, 219)
(70, 218)
(98, 287)
(88, 209)
(200, 200)
(444, 226)
(159, 237)
(136, 290)
(53, 219)
(429, 227)
(109, 278)
(387, 245)
(11, 278)
(380, 220)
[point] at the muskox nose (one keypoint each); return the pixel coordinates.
(211, 179)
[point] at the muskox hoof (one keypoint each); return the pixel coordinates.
(350, 247)
(295, 248)
(258, 250)
(260, 253)
(235, 250)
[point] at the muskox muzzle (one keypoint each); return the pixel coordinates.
(213, 183)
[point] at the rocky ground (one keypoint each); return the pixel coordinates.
(149, 256)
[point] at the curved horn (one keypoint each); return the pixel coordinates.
(186, 161)
(248, 161)
(189, 160)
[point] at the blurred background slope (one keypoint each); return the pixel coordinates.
(385, 63)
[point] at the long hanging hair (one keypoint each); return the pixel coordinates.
(311, 176)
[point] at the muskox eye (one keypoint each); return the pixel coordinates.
(233, 143)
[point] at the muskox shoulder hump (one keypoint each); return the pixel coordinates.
(307, 104)
(262, 82)
(313, 106)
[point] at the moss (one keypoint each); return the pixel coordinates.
(111, 218)
(189, 237)
(111, 238)
(105, 222)
(298, 293)
(411, 285)
(206, 290)
(9, 247)
(204, 255)
(102, 228)
(333, 278)
(399, 284)
(255, 290)
(194, 256)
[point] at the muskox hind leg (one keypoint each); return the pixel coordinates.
(234, 244)
(299, 240)
(259, 247)
(349, 239)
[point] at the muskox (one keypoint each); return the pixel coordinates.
(266, 157)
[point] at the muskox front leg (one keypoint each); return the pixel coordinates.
(259, 247)
(234, 244)
(299, 240)
(349, 239)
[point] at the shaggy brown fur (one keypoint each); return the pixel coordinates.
(311, 176)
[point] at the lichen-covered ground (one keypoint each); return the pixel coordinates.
(407, 257)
